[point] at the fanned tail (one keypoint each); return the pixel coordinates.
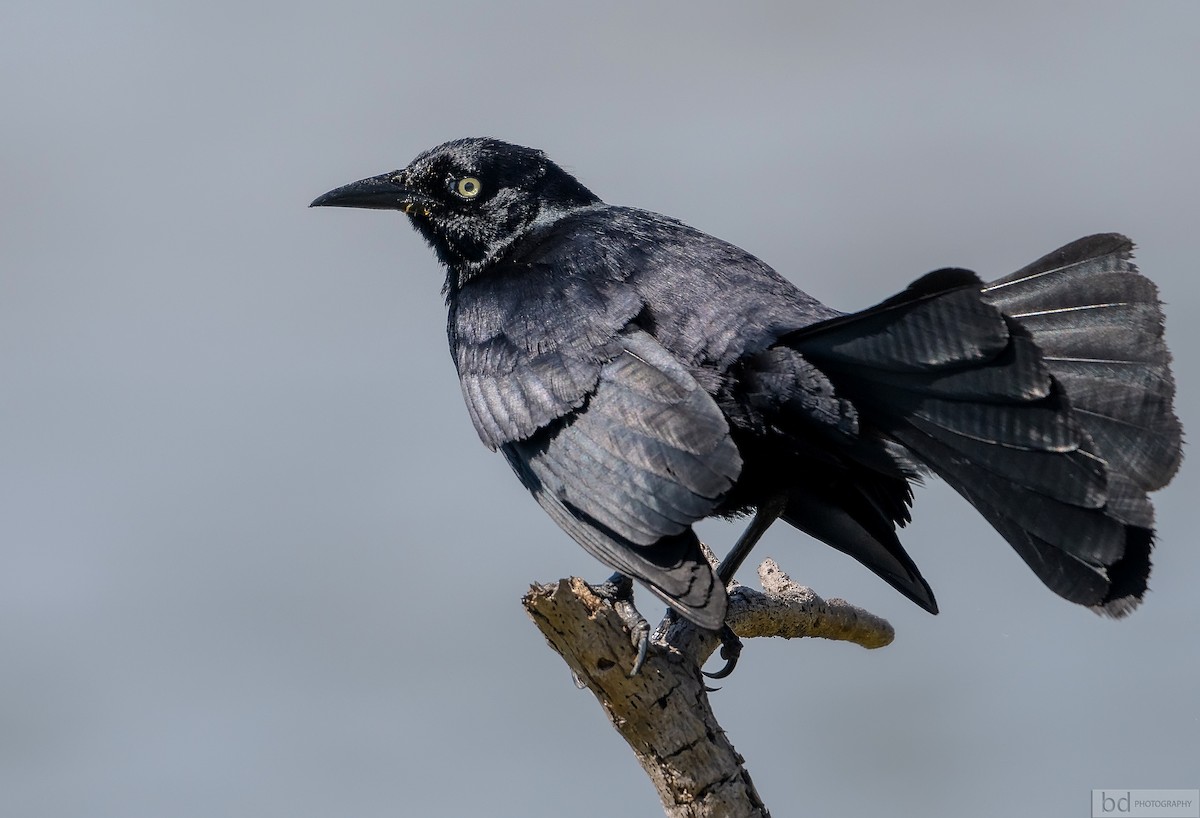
(1099, 325)
(1044, 398)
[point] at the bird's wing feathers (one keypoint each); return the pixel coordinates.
(529, 343)
(648, 455)
(510, 399)
(614, 437)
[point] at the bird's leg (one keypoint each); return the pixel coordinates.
(764, 515)
(618, 590)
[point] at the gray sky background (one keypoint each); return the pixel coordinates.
(253, 559)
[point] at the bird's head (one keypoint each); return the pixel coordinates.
(470, 198)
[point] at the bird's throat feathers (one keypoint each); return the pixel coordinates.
(468, 250)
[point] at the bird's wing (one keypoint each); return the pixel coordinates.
(530, 341)
(613, 435)
(649, 453)
(626, 474)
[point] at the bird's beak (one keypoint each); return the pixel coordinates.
(381, 192)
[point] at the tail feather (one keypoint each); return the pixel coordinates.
(1044, 398)
(1022, 376)
(1114, 589)
(939, 322)
(851, 523)
(1099, 325)
(1088, 534)
(1044, 425)
(1076, 477)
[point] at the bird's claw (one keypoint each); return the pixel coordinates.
(618, 590)
(642, 637)
(731, 650)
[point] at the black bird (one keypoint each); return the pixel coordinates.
(640, 375)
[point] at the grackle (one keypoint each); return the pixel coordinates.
(640, 375)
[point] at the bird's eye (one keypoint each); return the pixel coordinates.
(468, 187)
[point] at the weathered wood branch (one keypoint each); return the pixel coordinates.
(663, 713)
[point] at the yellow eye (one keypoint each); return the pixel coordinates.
(468, 187)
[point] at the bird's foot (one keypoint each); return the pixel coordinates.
(618, 590)
(731, 645)
(731, 650)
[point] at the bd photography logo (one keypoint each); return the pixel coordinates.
(1146, 803)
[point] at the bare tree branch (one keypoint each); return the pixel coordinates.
(663, 713)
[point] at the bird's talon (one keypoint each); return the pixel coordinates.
(643, 646)
(731, 651)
